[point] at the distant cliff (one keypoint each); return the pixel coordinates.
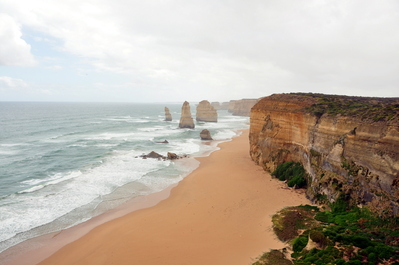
(348, 145)
(241, 107)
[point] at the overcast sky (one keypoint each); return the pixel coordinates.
(176, 50)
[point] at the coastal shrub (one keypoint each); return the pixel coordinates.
(292, 172)
(288, 222)
(354, 234)
(375, 109)
(318, 237)
(299, 243)
(273, 257)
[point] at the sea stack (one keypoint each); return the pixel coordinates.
(186, 121)
(205, 135)
(168, 116)
(206, 112)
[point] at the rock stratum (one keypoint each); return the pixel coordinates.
(168, 116)
(348, 145)
(206, 112)
(241, 107)
(186, 120)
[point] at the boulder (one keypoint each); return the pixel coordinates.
(172, 156)
(205, 135)
(186, 121)
(163, 142)
(153, 155)
(168, 116)
(206, 112)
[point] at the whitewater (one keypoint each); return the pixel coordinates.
(64, 163)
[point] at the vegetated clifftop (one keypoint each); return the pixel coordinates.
(241, 107)
(348, 145)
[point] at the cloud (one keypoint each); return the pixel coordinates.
(14, 51)
(7, 82)
(228, 49)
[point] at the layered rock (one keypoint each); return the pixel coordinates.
(168, 116)
(241, 107)
(343, 152)
(205, 135)
(186, 120)
(216, 105)
(206, 112)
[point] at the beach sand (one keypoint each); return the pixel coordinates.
(219, 214)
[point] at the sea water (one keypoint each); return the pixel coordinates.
(64, 163)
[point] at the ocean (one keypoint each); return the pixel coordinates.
(64, 163)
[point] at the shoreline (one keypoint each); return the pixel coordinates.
(207, 218)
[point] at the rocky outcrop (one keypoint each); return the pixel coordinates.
(241, 107)
(206, 112)
(168, 116)
(348, 145)
(169, 156)
(186, 121)
(205, 135)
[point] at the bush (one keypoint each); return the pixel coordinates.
(292, 172)
(299, 243)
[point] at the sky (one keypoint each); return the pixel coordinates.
(176, 50)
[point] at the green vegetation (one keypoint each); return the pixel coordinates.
(292, 172)
(340, 235)
(288, 224)
(274, 257)
(374, 109)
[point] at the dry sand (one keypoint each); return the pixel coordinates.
(218, 215)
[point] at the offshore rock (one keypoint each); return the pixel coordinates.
(168, 116)
(162, 142)
(206, 112)
(169, 156)
(153, 155)
(172, 156)
(205, 135)
(186, 121)
(348, 145)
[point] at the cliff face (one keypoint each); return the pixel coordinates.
(241, 107)
(206, 112)
(186, 121)
(343, 153)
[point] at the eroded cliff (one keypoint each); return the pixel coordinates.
(241, 107)
(348, 145)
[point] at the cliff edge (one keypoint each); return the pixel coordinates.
(348, 145)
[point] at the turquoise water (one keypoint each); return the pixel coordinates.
(63, 163)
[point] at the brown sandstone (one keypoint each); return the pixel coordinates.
(186, 120)
(341, 153)
(206, 112)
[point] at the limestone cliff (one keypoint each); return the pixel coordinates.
(241, 107)
(168, 116)
(348, 145)
(186, 121)
(216, 105)
(206, 112)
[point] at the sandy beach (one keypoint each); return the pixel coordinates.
(219, 214)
